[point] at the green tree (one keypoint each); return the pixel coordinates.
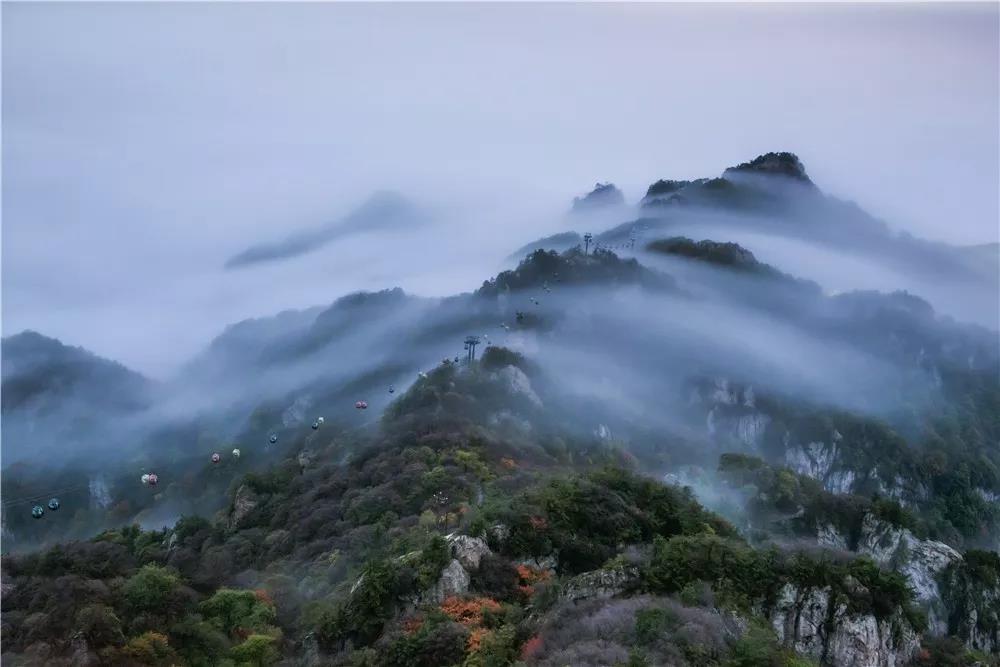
(256, 651)
(100, 625)
(153, 590)
(231, 609)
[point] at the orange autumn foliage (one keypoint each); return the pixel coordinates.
(527, 576)
(531, 647)
(476, 638)
(531, 575)
(412, 625)
(468, 612)
(508, 463)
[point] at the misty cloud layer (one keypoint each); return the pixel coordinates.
(145, 145)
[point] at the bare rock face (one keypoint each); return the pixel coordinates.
(545, 563)
(518, 383)
(295, 414)
(981, 639)
(468, 551)
(498, 533)
(244, 503)
(454, 580)
(803, 620)
(82, 655)
(305, 458)
(973, 609)
(732, 414)
(309, 654)
(920, 561)
(820, 460)
(799, 619)
(100, 497)
(746, 427)
(602, 583)
(880, 540)
(862, 640)
(828, 536)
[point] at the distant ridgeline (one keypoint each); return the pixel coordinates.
(669, 453)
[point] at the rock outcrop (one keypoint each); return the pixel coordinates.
(468, 551)
(244, 503)
(602, 583)
(732, 413)
(821, 461)
(82, 655)
(518, 384)
(743, 425)
(920, 561)
(971, 596)
(816, 624)
(454, 580)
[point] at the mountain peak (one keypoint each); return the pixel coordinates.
(383, 210)
(604, 195)
(774, 164)
(666, 187)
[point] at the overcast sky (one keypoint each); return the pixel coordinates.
(143, 144)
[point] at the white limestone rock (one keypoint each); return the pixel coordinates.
(454, 580)
(244, 503)
(829, 537)
(802, 620)
(920, 561)
(518, 383)
(601, 583)
(468, 551)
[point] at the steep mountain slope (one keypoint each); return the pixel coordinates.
(53, 393)
(504, 503)
(40, 371)
(888, 356)
(463, 530)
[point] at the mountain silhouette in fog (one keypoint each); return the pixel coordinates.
(383, 210)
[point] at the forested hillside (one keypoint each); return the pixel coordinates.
(650, 447)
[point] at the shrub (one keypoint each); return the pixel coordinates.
(496, 578)
(436, 642)
(651, 623)
(236, 612)
(150, 648)
(585, 518)
(468, 612)
(362, 616)
(197, 642)
(256, 651)
(99, 625)
(497, 356)
(758, 647)
(153, 590)
(497, 648)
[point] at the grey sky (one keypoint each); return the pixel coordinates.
(143, 144)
